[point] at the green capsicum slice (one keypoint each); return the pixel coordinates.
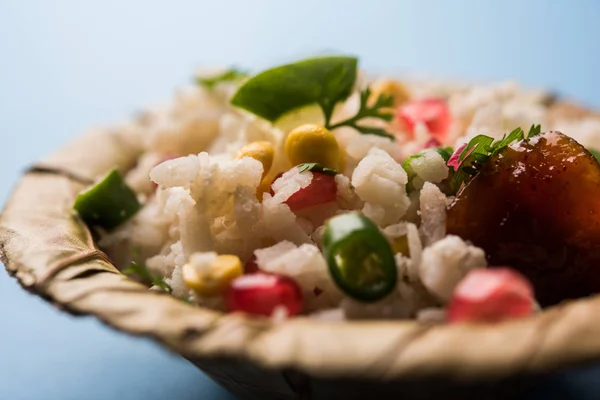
(108, 203)
(359, 257)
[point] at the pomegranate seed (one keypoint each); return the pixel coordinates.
(322, 189)
(261, 294)
(491, 295)
(434, 113)
(433, 142)
(251, 267)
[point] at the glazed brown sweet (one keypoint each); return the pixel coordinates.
(536, 207)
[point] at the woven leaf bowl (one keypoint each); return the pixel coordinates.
(52, 254)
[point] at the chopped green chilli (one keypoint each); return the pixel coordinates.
(108, 203)
(359, 257)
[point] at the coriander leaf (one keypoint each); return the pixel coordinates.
(595, 153)
(380, 109)
(229, 75)
(140, 270)
(316, 167)
(324, 81)
(515, 135)
(534, 131)
(478, 151)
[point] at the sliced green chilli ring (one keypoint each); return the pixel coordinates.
(359, 257)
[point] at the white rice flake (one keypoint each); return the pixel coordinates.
(360, 145)
(280, 223)
(381, 181)
(433, 214)
(431, 315)
(402, 303)
(346, 197)
(138, 178)
(178, 285)
(289, 183)
(187, 126)
(329, 315)
(430, 167)
(446, 262)
(416, 249)
(306, 265)
(178, 172)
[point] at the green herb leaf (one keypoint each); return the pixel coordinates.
(380, 109)
(370, 130)
(410, 173)
(534, 131)
(316, 167)
(595, 153)
(108, 203)
(230, 75)
(480, 149)
(141, 271)
(324, 81)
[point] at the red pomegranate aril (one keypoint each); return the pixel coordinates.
(433, 142)
(262, 294)
(251, 267)
(322, 189)
(433, 113)
(491, 295)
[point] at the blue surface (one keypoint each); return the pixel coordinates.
(67, 65)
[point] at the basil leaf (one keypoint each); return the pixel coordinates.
(272, 93)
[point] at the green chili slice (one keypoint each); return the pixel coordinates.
(359, 257)
(108, 203)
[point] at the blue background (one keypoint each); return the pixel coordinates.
(67, 65)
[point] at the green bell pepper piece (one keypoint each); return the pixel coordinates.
(108, 203)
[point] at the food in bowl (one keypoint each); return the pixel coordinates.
(309, 189)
